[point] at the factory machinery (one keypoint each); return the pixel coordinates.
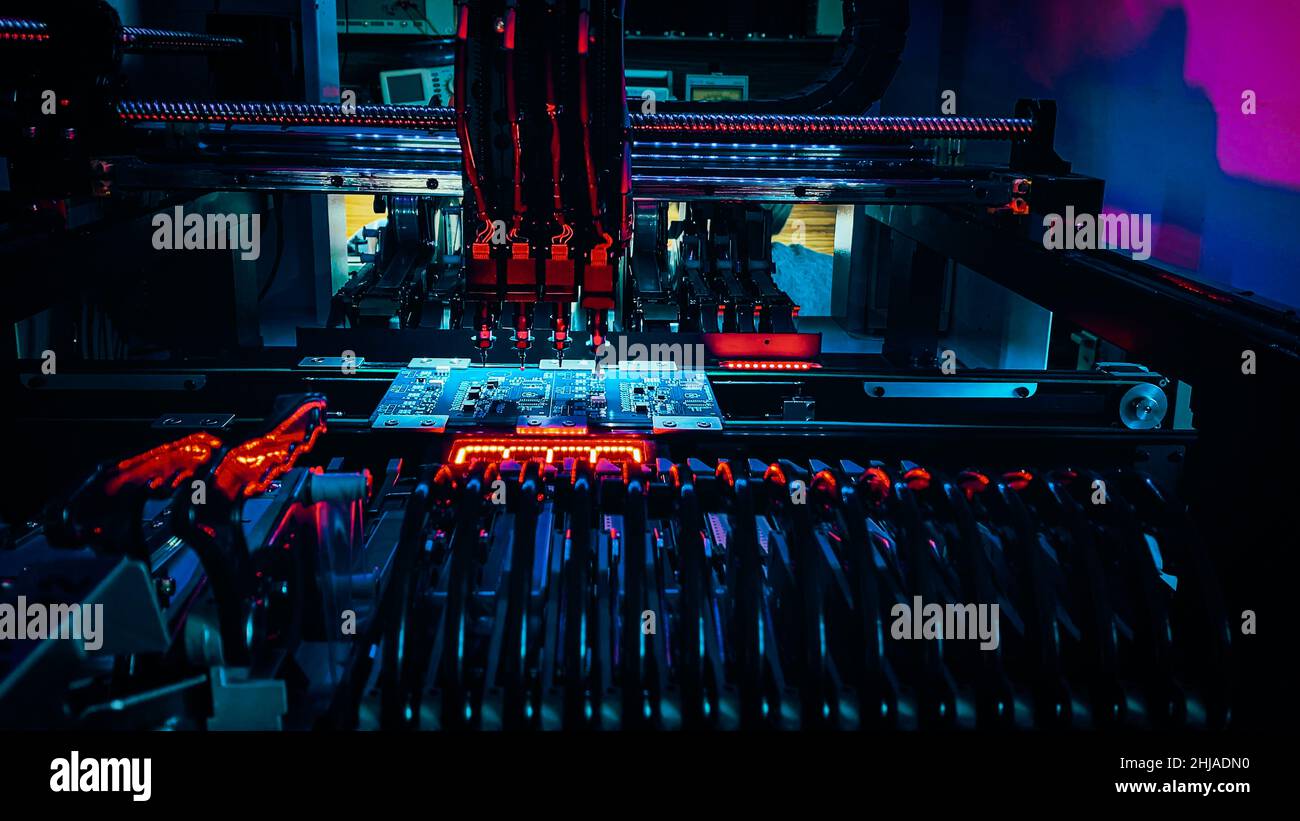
(559, 454)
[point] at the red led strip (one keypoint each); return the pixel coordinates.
(271, 119)
(768, 365)
(548, 450)
(833, 126)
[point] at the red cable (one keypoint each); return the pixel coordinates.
(462, 122)
(584, 114)
(512, 109)
(552, 111)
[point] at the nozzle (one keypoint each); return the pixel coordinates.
(596, 322)
(560, 339)
(483, 340)
(523, 337)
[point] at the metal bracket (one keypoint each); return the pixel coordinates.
(950, 389)
(454, 363)
(194, 421)
(541, 425)
(331, 363)
(433, 424)
(671, 424)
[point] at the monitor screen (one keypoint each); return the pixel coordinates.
(406, 88)
(716, 93)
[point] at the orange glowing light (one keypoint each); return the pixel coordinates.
(877, 481)
(825, 480)
(917, 479)
(972, 482)
(174, 461)
(548, 450)
(1018, 479)
(250, 468)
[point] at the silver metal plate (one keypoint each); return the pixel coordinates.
(331, 363)
(567, 365)
(433, 424)
(647, 365)
(453, 363)
(551, 424)
(671, 424)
